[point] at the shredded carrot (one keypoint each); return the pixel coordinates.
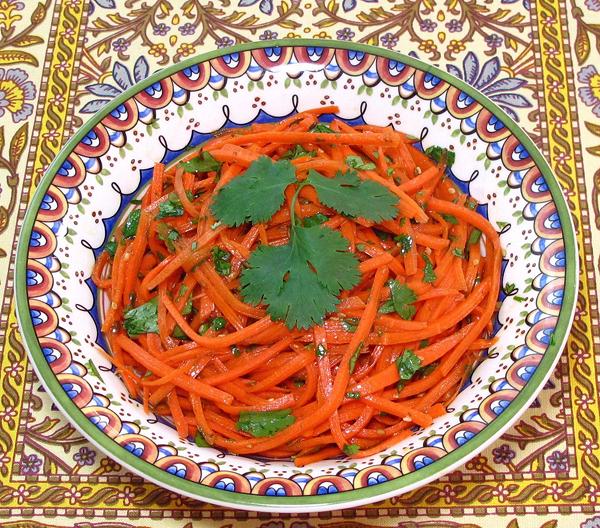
(209, 356)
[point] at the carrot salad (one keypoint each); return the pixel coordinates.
(300, 289)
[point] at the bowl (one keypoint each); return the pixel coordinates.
(90, 184)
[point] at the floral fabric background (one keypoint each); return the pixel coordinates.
(61, 60)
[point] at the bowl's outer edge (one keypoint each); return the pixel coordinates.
(321, 502)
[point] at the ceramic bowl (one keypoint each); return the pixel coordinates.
(91, 182)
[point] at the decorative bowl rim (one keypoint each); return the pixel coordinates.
(302, 503)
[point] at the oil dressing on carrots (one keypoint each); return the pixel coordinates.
(300, 290)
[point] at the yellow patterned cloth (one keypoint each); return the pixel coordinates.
(538, 59)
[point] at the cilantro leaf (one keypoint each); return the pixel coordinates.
(202, 163)
(187, 307)
(402, 299)
(351, 449)
(322, 128)
(299, 282)
(349, 195)
(111, 247)
(356, 162)
(168, 235)
(405, 243)
(256, 195)
(316, 219)
(143, 319)
(265, 423)
(474, 237)
(297, 152)
(172, 207)
(441, 154)
(200, 441)
(354, 358)
(131, 224)
(429, 275)
(408, 364)
(451, 219)
(218, 323)
(221, 260)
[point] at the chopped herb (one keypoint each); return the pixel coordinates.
(178, 333)
(382, 235)
(407, 364)
(451, 219)
(215, 225)
(402, 221)
(441, 155)
(182, 289)
(111, 247)
(471, 205)
(404, 242)
(194, 245)
(187, 307)
(202, 163)
(474, 237)
(457, 252)
(401, 300)
(297, 152)
(353, 395)
(142, 319)
(218, 323)
(235, 351)
(425, 371)
(203, 328)
(322, 128)
(299, 382)
(131, 224)
(361, 247)
(356, 162)
(321, 351)
(351, 449)
(350, 324)
(221, 260)
(200, 441)
(389, 171)
(168, 235)
(256, 195)
(429, 275)
(424, 343)
(313, 220)
(172, 207)
(387, 307)
(266, 423)
(354, 358)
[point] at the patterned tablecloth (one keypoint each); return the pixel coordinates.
(539, 60)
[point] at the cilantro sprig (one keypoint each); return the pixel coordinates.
(300, 281)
